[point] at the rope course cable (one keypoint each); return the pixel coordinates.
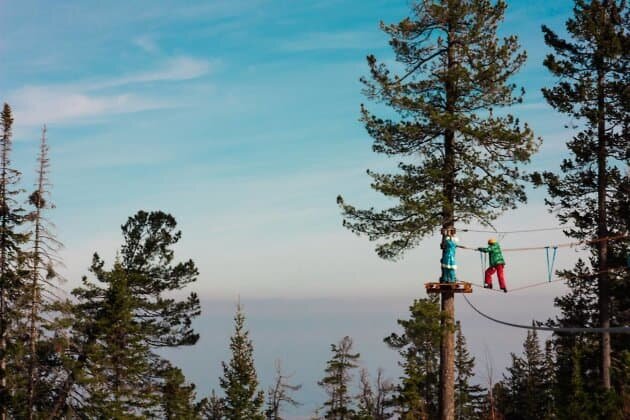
(506, 232)
(542, 283)
(569, 330)
(563, 245)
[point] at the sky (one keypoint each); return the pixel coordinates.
(240, 118)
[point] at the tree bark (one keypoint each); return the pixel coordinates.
(4, 392)
(602, 232)
(447, 343)
(447, 358)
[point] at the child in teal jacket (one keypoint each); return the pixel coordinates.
(496, 264)
(448, 264)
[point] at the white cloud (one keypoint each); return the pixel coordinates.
(35, 105)
(146, 44)
(174, 69)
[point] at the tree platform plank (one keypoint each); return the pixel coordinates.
(457, 287)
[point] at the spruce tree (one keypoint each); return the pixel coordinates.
(591, 194)
(549, 400)
(580, 406)
(12, 241)
(178, 396)
(459, 158)
(120, 363)
(212, 408)
(42, 258)
(527, 391)
(468, 397)
(279, 394)
(118, 322)
(338, 379)
(419, 348)
(243, 399)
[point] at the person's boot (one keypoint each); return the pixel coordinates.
(504, 289)
(487, 286)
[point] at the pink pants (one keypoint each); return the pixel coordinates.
(490, 271)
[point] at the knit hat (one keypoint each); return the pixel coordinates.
(492, 241)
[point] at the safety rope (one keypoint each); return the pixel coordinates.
(570, 330)
(482, 257)
(542, 283)
(563, 245)
(553, 260)
(507, 232)
(481, 286)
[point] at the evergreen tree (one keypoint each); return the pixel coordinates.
(178, 397)
(116, 324)
(242, 399)
(419, 348)
(121, 360)
(459, 160)
(468, 397)
(527, 389)
(580, 405)
(212, 408)
(591, 191)
(549, 382)
(41, 274)
(463, 161)
(592, 194)
(12, 241)
(280, 394)
(337, 381)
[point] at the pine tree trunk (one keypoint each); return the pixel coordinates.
(447, 359)
(32, 377)
(447, 343)
(3, 304)
(602, 231)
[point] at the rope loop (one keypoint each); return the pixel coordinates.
(553, 260)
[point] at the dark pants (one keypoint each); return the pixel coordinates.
(490, 271)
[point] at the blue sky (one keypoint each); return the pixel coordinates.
(241, 119)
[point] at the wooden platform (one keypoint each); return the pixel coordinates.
(457, 287)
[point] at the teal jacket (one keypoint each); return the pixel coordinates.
(494, 250)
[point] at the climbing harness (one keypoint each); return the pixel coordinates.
(553, 260)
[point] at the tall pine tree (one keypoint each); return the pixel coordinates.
(12, 241)
(42, 258)
(419, 348)
(337, 381)
(527, 389)
(591, 194)
(119, 321)
(243, 399)
(459, 159)
(212, 407)
(178, 397)
(468, 397)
